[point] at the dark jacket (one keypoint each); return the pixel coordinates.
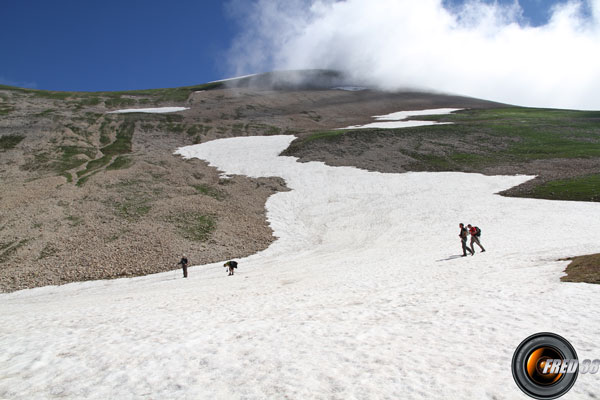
(184, 262)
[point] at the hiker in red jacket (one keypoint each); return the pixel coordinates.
(475, 233)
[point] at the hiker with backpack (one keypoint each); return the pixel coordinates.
(232, 265)
(184, 264)
(475, 233)
(463, 240)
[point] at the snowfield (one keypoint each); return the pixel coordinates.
(362, 296)
(397, 119)
(350, 88)
(157, 110)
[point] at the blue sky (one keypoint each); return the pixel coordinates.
(120, 45)
(112, 45)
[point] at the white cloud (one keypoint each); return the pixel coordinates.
(479, 49)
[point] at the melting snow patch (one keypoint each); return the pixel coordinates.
(234, 78)
(350, 88)
(396, 119)
(158, 110)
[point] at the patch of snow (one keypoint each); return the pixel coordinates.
(361, 296)
(350, 88)
(395, 124)
(234, 78)
(400, 115)
(397, 119)
(158, 110)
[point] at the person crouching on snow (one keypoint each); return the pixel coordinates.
(231, 265)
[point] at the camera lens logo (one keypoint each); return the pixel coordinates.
(545, 366)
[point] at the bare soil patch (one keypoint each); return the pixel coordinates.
(583, 269)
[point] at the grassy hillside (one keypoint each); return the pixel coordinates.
(562, 147)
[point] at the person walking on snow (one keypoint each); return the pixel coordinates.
(184, 264)
(475, 232)
(463, 240)
(231, 265)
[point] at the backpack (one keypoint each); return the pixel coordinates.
(233, 264)
(477, 232)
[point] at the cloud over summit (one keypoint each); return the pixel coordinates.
(479, 49)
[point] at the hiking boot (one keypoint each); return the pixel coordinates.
(483, 250)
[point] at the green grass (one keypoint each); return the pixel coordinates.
(90, 118)
(173, 127)
(51, 95)
(532, 134)
(157, 96)
(89, 101)
(210, 191)
(69, 158)
(94, 165)
(79, 131)
(46, 94)
(236, 129)
(503, 135)
(120, 162)
(119, 99)
(122, 143)
(585, 188)
(9, 142)
(273, 130)
(133, 207)
(198, 129)
(325, 135)
(105, 132)
(46, 112)
(81, 181)
(316, 137)
(194, 130)
(5, 109)
(119, 102)
(68, 176)
(194, 226)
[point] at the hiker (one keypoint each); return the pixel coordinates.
(184, 264)
(463, 240)
(475, 233)
(231, 265)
